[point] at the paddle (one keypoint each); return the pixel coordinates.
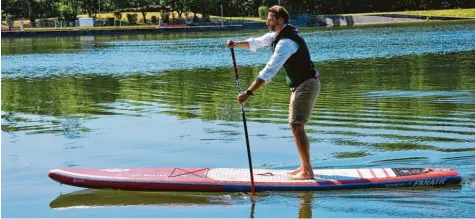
(238, 83)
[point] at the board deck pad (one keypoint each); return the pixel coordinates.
(238, 179)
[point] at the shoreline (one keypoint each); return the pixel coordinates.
(310, 21)
(118, 31)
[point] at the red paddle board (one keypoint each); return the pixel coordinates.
(238, 180)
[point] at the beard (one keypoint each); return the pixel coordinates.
(272, 27)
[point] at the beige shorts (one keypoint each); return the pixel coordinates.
(302, 100)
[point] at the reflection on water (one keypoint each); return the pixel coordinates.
(368, 104)
(407, 201)
(103, 198)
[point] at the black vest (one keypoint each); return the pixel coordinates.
(299, 67)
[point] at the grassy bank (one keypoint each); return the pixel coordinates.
(462, 13)
(174, 15)
(92, 28)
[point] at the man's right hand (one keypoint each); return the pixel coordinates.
(230, 44)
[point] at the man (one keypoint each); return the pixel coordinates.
(290, 51)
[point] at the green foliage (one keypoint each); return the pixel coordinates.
(165, 17)
(9, 18)
(194, 5)
(132, 18)
(110, 21)
(174, 18)
(118, 15)
(69, 15)
(263, 12)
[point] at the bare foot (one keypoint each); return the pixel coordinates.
(302, 176)
(298, 170)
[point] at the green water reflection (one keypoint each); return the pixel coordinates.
(413, 102)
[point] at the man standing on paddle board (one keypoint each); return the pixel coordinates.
(290, 51)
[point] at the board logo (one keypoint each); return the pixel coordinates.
(114, 170)
(430, 182)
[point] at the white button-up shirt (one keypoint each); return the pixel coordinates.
(283, 50)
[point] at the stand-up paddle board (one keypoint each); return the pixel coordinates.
(238, 180)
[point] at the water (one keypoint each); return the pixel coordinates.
(151, 54)
(396, 96)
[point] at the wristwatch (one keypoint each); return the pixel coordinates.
(249, 92)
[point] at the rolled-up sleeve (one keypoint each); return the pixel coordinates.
(259, 42)
(283, 50)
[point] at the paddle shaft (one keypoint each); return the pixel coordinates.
(238, 83)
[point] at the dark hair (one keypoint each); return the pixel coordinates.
(279, 12)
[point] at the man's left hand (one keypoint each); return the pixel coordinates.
(242, 98)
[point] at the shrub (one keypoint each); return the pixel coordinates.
(174, 18)
(132, 18)
(118, 15)
(165, 17)
(263, 12)
(110, 21)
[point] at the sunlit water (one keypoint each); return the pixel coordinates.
(399, 96)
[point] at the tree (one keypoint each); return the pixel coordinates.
(69, 9)
(193, 6)
(177, 5)
(143, 6)
(90, 6)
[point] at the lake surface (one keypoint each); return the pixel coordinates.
(392, 96)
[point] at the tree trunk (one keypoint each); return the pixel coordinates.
(74, 6)
(31, 15)
(144, 14)
(179, 15)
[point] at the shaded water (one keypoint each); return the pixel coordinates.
(391, 97)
